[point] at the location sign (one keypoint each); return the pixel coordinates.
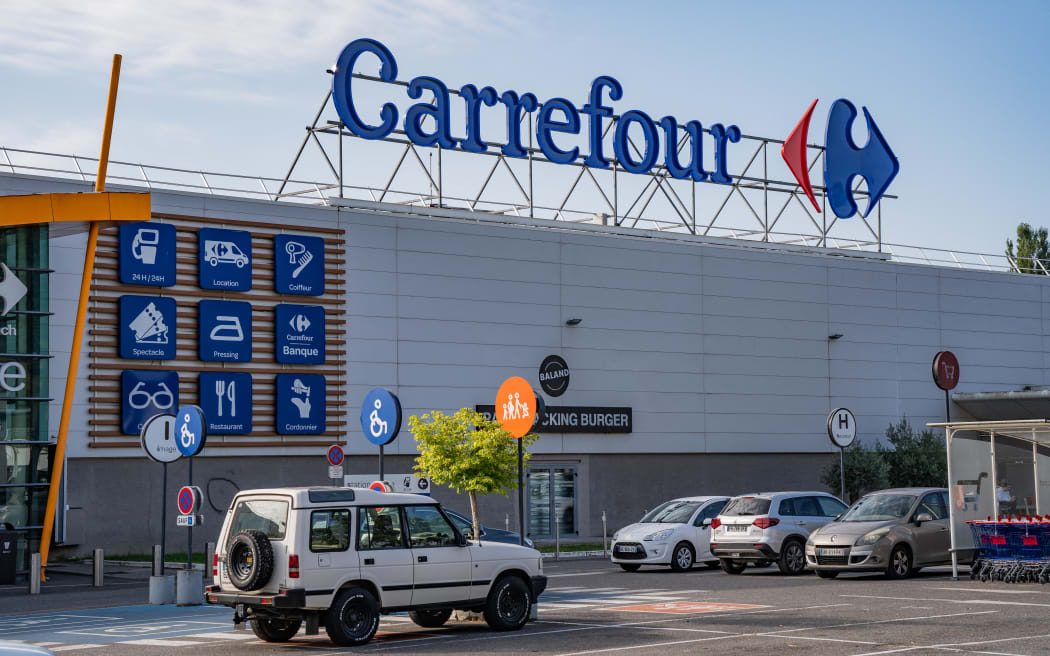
(516, 406)
(381, 416)
(190, 430)
(158, 439)
(842, 427)
(946, 370)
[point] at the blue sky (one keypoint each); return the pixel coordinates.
(958, 88)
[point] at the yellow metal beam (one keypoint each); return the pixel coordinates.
(97, 203)
(73, 209)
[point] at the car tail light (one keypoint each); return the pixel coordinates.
(716, 522)
(766, 522)
(293, 566)
(215, 565)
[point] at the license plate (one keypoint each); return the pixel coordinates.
(736, 528)
(627, 549)
(831, 552)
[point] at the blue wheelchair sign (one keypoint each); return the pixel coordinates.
(381, 416)
(190, 430)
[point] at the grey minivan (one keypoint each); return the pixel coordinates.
(894, 531)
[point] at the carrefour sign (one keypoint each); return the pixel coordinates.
(558, 118)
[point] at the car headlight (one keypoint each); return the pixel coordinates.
(872, 537)
(810, 541)
(529, 543)
(659, 535)
(616, 535)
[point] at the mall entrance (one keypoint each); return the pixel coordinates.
(551, 498)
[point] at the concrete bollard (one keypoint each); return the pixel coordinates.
(158, 560)
(162, 589)
(97, 558)
(605, 535)
(34, 574)
(209, 560)
(189, 588)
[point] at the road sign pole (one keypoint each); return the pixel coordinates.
(382, 471)
(521, 493)
(189, 530)
(842, 472)
(163, 515)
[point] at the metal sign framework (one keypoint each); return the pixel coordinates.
(772, 209)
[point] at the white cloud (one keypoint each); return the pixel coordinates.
(206, 36)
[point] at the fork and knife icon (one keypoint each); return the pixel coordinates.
(227, 390)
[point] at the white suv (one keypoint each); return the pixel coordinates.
(770, 527)
(340, 557)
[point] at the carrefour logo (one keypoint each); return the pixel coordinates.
(843, 159)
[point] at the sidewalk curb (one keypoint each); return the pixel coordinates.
(566, 555)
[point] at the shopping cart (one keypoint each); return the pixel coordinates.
(1012, 550)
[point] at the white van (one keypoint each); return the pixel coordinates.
(340, 557)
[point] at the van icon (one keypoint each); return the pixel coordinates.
(225, 252)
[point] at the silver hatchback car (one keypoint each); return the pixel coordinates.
(893, 531)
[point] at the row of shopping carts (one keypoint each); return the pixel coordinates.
(1012, 549)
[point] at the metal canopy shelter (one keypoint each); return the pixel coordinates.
(972, 458)
(997, 406)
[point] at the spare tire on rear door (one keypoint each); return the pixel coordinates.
(249, 560)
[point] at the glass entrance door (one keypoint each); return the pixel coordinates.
(552, 498)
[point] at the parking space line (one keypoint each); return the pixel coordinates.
(648, 645)
(992, 590)
(72, 647)
(993, 602)
(890, 621)
(798, 637)
(558, 576)
(157, 642)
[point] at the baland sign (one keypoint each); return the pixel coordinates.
(556, 116)
(674, 148)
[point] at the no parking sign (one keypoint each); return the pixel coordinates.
(189, 499)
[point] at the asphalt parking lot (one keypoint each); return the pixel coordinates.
(592, 607)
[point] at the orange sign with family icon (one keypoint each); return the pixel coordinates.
(516, 406)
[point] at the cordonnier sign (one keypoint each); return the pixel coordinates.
(557, 115)
(843, 159)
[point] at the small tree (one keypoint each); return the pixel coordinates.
(916, 460)
(866, 470)
(1033, 250)
(469, 453)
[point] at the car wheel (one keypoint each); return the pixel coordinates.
(827, 574)
(630, 568)
(730, 566)
(792, 559)
(249, 560)
(430, 618)
(900, 563)
(682, 557)
(353, 618)
(275, 630)
(508, 604)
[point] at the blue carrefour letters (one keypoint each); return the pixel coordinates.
(557, 115)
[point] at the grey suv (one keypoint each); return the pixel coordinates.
(892, 531)
(770, 527)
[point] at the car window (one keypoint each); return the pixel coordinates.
(933, 504)
(330, 530)
(831, 507)
(880, 508)
(268, 516)
(380, 528)
(465, 526)
(746, 506)
(787, 508)
(427, 527)
(709, 512)
(672, 512)
(808, 507)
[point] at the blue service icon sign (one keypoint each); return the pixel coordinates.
(147, 327)
(225, 331)
(190, 430)
(226, 399)
(145, 394)
(381, 416)
(300, 404)
(147, 254)
(225, 259)
(298, 264)
(299, 334)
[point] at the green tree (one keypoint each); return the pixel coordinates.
(866, 471)
(916, 460)
(1032, 253)
(469, 453)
